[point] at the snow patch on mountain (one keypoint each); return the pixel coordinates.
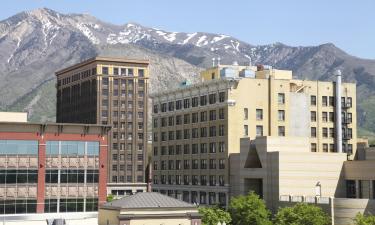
(87, 32)
(202, 41)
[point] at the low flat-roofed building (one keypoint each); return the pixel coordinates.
(149, 208)
(13, 117)
(52, 168)
(283, 171)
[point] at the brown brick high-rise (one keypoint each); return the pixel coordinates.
(111, 91)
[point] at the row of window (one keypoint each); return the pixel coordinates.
(128, 125)
(211, 131)
(347, 133)
(72, 176)
(129, 167)
(190, 102)
(129, 94)
(129, 137)
(197, 197)
(17, 206)
(330, 101)
(202, 164)
(70, 205)
(122, 104)
(77, 76)
(128, 146)
(125, 83)
(194, 148)
(202, 180)
(79, 148)
(122, 71)
(332, 148)
(121, 179)
(189, 118)
(18, 147)
(18, 176)
(259, 130)
(123, 114)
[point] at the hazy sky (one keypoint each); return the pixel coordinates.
(349, 24)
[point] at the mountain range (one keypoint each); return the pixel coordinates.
(34, 44)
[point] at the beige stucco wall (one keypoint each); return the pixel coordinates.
(111, 216)
(13, 117)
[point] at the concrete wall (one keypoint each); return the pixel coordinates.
(300, 115)
(346, 209)
(107, 216)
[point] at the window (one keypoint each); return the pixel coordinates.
(281, 115)
(324, 101)
(163, 107)
(212, 164)
(178, 104)
(212, 115)
(212, 147)
(186, 149)
(130, 72)
(331, 117)
(194, 102)
(194, 164)
(194, 149)
(325, 132)
(324, 116)
(221, 146)
(313, 116)
(212, 180)
(331, 101)
(313, 100)
(178, 134)
(332, 148)
(221, 130)
(203, 164)
(325, 147)
(246, 130)
(259, 131)
(105, 70)
(186, 103)
(186, 179)
(141, 72)
(203, 148)
(281, 131)
(203, 100)
(171, 121)
(221, 114)
(221, 96)
(194, 117)
(331, 132)
(186, 118)
(212, 98)
(313, 147)
(281, 98)
(313, 132)
(155, 108)
(178, 120)
(351, 189)
(170, 106)
(221, 163)
(203, 116)
(186, 164)
(245, 113)
(194, 133)
(212, 131)
(203, 132)
(186, 133)
(349, 102)
(259, 114)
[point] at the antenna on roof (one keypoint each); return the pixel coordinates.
(213, 62)
(250, 64)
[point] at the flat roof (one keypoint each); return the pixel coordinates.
(104, 59)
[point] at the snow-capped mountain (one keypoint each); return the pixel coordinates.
(36, 43)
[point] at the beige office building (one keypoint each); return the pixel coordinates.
(197, 127)
(111, 91)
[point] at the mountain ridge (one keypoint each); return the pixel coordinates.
(34, 44)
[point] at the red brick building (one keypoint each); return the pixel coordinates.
(51, 168)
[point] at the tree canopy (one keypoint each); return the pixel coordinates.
(249, 210)
(302, 214)
(213, 215)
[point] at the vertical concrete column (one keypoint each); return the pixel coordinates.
(41, 175)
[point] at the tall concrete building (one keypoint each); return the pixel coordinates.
(196, 128)
(111, 91)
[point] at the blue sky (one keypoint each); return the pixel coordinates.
(349, 24)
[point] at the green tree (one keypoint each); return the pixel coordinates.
(249, 210)
(361, 219)
(213, 215)
(110, 198)
(302, 214)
